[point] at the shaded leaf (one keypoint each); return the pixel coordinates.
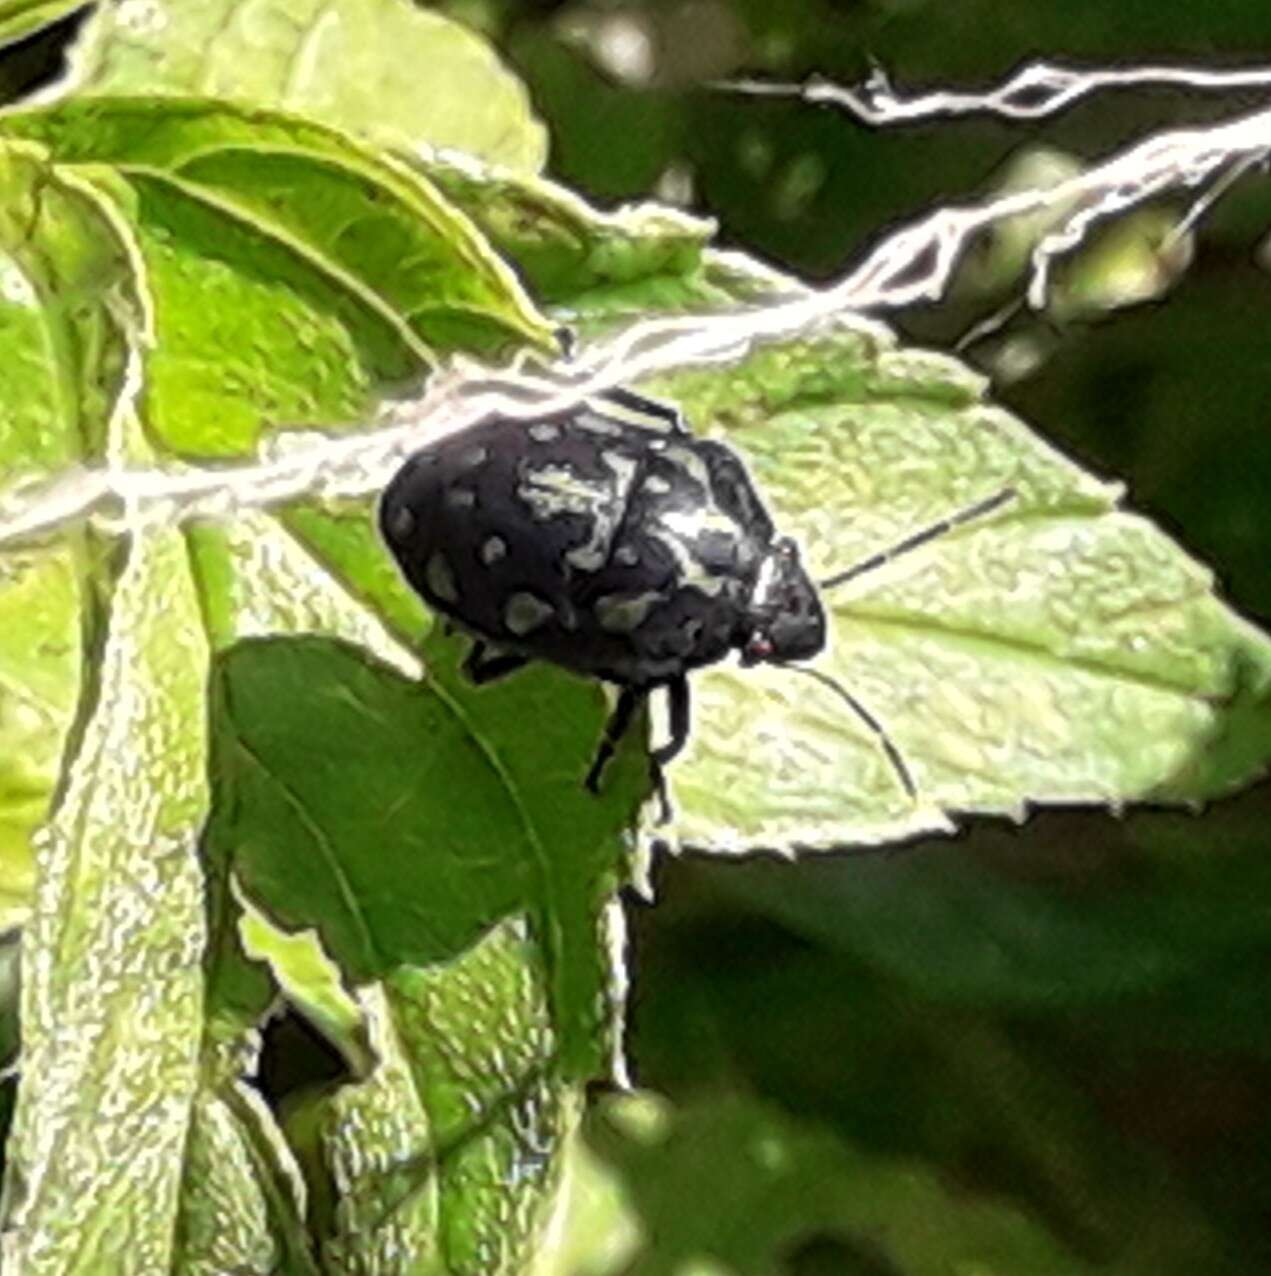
(254, 580)
(999, 1104)
(404, 820)
(950, 927)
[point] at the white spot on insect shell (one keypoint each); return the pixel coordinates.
(595, 424)
(463, 498)
(440, 579)
(691, 463)
(678, 531)
(626, 556)
(622, 613)
(544, 432)
(401, 522)
(587, 558)
(692, 524)
(523, 612)
(494, 548)
(657, 485)
(553, 490)
(474, 457)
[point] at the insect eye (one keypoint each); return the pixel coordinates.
(758, 648)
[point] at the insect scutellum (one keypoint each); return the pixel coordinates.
(612, 541)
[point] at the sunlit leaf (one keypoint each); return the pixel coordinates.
(357, 66)
(288, 274)
(62, 369)
(566, 249)
(1058, 649)
(112, 986)
(450, 1152)
(22, 18)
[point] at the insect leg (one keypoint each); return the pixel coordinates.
(481, 668)
(615, 729)
(678, 698)
(629, 399)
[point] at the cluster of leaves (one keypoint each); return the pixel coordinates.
(214, 736)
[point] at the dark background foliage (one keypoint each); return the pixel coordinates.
(998, 1005)
(1072, 1017)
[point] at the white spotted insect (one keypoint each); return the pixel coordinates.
(612, 541)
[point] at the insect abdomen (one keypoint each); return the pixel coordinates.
(587, 541)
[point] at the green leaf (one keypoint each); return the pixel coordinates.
(112, 985)
(247, 331)
(387, 69)
(311, 981)
(374, 222)
(567, 250)
(480, 1037)
(62, 370)
(41, 658)
(21, 18)
(404, 820)
(242, 1197)
(287, 274)
(1057, 650)
(343, 537)
(448, 1157)
(427, 1153)
(60, 263)
(254, 579)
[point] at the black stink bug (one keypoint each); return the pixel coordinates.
(610, 540)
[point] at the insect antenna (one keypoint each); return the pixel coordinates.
(929, 533)
(874, 561)
(885, 741)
